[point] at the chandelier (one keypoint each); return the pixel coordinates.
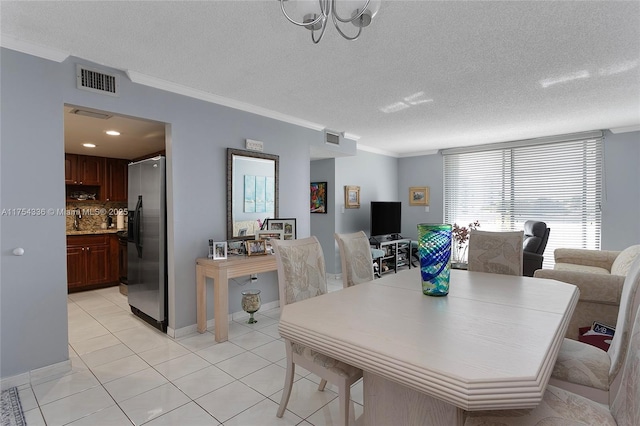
(316, 13)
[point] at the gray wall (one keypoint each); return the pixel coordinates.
(323, 225)
(621, 206)
(34, 286)
(377, 177)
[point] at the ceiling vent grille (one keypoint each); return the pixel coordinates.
(92, 114)
(332, 137)
(96, 81)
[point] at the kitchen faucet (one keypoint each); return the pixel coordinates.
(77, 214)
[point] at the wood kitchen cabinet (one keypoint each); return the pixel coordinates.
(116, 185)
(89, 262)
(83, 170)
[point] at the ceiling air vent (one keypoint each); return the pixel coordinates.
(96, 81)
(332, 137)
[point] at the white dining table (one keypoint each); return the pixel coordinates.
(491, 343)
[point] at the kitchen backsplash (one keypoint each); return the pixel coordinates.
(93, 215)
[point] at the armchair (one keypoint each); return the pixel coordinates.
(600, 275)
(536, 236)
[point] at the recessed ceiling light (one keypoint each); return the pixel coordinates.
(89, 145)
(113, 132)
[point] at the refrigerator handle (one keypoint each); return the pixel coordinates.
(136, 226)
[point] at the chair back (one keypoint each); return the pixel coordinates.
(629, 302)
(355, 253)
(625, 407)
(301, 269)
(536, 236)
(495, 252)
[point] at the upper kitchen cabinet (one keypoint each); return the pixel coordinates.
(116, 185)
(83, 170)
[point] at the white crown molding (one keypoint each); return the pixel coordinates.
(377, 151)
(627, 129)
(158, 83)
(13, 43)
(418, 154)
(351, 136)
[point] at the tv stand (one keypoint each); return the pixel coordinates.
(397, 252)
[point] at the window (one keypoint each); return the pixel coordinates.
(555, 181)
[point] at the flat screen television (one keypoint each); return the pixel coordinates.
(385, 217)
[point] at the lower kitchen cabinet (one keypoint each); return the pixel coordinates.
(89, 263)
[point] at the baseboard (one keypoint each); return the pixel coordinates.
(190, 329)
(36, 375)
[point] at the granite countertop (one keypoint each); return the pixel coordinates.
(96, 231)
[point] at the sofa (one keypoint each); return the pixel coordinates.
(599, 275)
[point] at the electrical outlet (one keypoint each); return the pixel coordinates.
(254, 145)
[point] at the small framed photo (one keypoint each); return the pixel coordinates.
(318, 197)
(351, 197)
(267, 236)
(287, 226)
(235, 247)
(419, 196)
(219, 250)
(256, 247)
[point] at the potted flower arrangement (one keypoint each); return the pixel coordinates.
(460, 237)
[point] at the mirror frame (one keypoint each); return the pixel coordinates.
(231, 152)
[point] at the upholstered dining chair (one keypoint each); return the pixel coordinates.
(301, 275)
(560, 407)
(355, 255)
(495, 252)
(589, 371)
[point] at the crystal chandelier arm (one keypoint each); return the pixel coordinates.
(336, 16)
(323, 15)
(335, 23)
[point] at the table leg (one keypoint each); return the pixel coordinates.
(201, 299)
(221, 305)
(387, 403)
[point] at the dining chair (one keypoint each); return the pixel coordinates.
(495, 252)
(355, 255)
(561, 407)
(589, 371)
(301, 275)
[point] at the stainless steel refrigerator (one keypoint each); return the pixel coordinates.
(147, 236)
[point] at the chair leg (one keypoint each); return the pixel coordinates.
(322, 384)
(288, 384)
(344, 395)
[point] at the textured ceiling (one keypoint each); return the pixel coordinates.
(425, 75)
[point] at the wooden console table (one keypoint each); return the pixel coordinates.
(220, 271)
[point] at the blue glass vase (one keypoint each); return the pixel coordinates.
(434, 251)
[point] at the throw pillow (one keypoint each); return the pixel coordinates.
(624, 260)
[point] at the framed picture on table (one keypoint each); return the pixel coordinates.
(287, 226)
(256, 247)
(220, 250)
(267, 236)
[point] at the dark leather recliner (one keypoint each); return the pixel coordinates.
(536, 235)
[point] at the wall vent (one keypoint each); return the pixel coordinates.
(332, 137)
(96, 81)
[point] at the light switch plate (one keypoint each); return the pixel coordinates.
(254, 145)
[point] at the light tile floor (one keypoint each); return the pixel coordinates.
(125, 372)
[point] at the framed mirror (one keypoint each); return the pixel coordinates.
(252, 191)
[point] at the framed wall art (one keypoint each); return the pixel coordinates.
(318, 197)
(351, 197)
(419, 196)
(287, 226)
(256, 247)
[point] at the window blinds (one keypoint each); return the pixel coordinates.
(558, 183)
